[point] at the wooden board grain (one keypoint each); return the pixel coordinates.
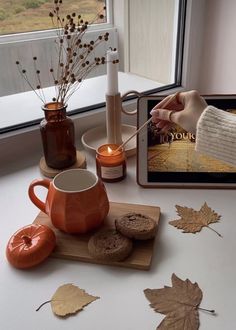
(75, 247)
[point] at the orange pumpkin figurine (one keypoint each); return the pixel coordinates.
(30, 245)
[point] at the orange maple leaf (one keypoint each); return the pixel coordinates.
(193, 221)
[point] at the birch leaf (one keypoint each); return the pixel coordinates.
(69, 299)
(192, 221)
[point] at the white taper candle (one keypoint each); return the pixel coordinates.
(112, 72)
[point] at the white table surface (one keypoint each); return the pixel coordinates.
(204, 258)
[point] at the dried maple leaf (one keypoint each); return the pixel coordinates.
(69, 299)
(193, 221)
(179, 303)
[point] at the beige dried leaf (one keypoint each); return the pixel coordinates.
(179, 303)
(193, 221)
(69, 299)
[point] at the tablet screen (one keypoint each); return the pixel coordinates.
(171, 158)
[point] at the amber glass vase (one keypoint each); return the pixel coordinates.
(57, 132)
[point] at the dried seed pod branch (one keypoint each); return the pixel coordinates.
(75, 56)
(23, 74)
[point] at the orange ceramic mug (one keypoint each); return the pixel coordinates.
(76, 201)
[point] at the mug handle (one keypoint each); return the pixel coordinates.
(34, 199)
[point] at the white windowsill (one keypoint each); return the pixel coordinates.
(21, 145)
(24, 107)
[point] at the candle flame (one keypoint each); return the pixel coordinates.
(109, 150)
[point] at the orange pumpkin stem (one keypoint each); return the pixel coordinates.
(27, 239)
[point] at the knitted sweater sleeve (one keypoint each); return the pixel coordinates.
(216, 134)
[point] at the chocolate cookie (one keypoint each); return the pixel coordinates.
(136, 225)
(109, 245)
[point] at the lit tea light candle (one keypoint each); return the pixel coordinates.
(111, 163)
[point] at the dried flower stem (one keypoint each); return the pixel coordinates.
(25, 77)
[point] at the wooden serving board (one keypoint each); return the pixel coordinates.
(75, 247)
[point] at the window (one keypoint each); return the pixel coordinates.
(135, 39)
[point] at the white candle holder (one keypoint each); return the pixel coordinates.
(113, 119)
(114, 131)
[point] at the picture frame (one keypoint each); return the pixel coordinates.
(171, 161)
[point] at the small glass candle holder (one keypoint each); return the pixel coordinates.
(111, 163)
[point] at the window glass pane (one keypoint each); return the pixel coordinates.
(153, 39)
(33, 15)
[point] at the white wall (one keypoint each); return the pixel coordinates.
(218, 59)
